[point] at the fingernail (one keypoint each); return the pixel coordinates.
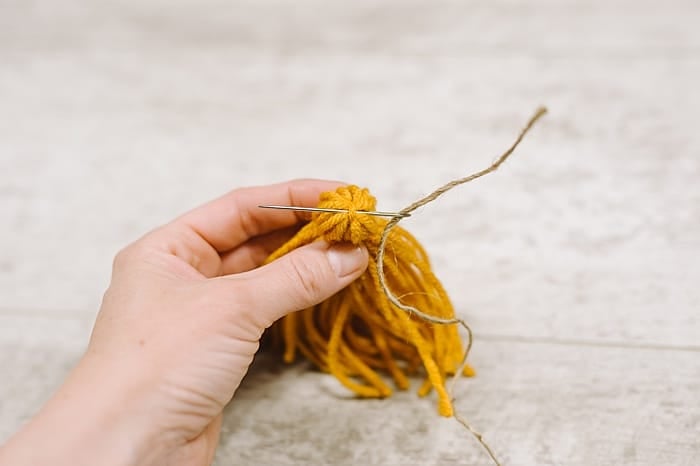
(346, 259)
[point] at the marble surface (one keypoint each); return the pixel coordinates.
(577, 264)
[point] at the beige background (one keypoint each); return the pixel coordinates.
(577, 264)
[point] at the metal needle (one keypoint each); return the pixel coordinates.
(335, 211)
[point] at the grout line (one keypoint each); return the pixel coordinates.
(665, 54)
(590, 343)
(64, 314)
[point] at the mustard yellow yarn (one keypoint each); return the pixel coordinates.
(357, 333)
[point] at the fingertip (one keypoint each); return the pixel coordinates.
(347, 260)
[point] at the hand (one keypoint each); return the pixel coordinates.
(178, 328)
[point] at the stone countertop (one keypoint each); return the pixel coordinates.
(577, 264)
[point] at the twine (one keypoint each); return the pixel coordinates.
(366, 328)
(437, 320)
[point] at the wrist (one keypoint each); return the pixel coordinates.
(97, 417)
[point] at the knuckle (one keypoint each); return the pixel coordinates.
(308, 275)
(129, 255)
(235, 304)
(123, 257)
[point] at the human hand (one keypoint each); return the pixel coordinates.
(178, 328)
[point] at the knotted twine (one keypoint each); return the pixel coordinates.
(396, 318)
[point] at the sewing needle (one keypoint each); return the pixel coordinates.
(335, 211)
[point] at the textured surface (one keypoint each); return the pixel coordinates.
(577, 264)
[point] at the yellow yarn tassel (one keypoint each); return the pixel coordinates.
(358, 332)
(396, 315)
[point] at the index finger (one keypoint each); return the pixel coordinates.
(234, 218)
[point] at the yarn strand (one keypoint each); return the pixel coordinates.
(411, 310)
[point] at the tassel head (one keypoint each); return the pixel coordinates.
(348, 227)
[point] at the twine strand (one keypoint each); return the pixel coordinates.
(446, 321)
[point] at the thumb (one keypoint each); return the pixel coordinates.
(300, 279)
